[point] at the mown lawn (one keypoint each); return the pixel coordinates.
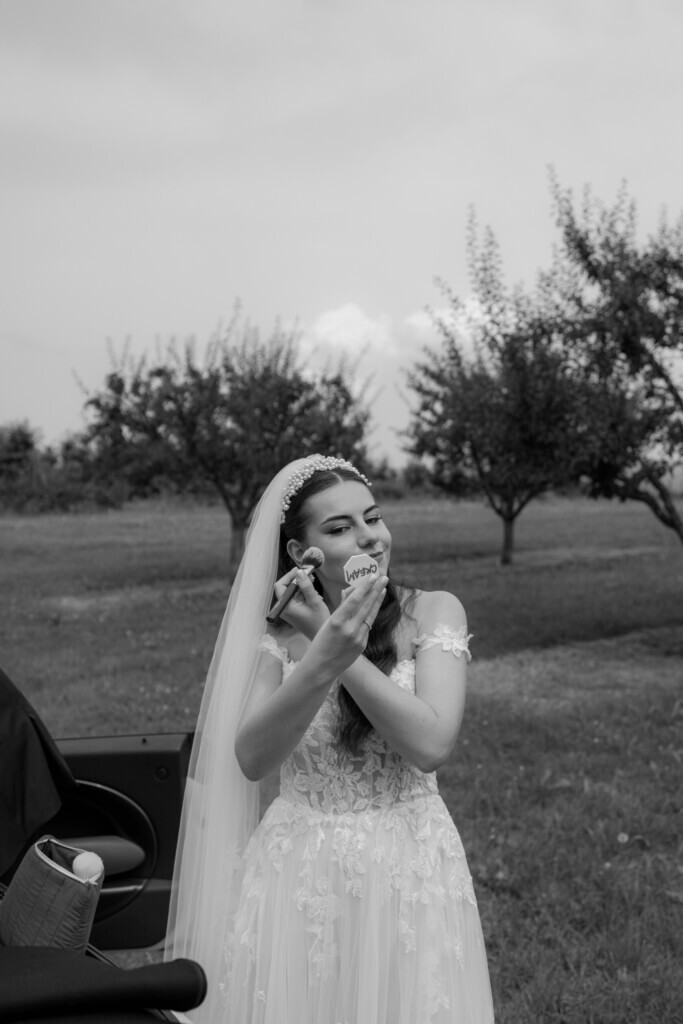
(566, 783)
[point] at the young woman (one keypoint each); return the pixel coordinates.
(351, 902)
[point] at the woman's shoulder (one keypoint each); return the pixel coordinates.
(433, 607)
(428, 614)
(286, 639)
(441, 623)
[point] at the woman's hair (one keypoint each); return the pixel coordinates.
(381, 647)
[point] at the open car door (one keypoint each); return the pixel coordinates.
(126, 807)
(119, 796)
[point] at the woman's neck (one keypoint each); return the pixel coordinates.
(332, 595)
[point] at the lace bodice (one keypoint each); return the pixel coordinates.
(322, 775)
(325, 776)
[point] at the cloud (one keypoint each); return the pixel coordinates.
(421, 327)
(380, 348)
(348, 330)
(384, 342)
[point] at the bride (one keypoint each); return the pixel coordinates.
(351, 902)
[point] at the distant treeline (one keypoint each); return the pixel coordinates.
(574, 384)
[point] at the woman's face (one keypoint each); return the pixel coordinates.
(344, 520)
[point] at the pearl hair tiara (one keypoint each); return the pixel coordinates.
(315, 463)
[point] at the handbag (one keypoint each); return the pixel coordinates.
(46, 903)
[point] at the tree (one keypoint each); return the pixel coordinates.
(232, 419)
(625, 301)
(20, 464)
(499, 408)
(18, 446)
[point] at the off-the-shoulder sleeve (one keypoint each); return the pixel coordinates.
(270, 645)
(448, 638)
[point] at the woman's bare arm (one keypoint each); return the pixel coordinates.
(423, 726)
(278, 712)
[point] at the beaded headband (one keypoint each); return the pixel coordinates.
(314, 463)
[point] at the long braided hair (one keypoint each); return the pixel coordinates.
(381, 645)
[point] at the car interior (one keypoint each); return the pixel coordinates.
(119, 797)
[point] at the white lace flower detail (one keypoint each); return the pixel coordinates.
(269, 645)
(457, 641)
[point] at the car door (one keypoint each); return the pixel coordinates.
(127, 807)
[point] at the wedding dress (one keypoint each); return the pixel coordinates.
(356, 904)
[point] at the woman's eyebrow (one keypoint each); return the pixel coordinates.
(331, 519)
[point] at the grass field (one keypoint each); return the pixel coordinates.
(567, 780)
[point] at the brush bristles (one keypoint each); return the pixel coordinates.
(313, 556)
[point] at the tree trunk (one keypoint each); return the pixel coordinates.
(236, 550)
(661, 502)
(508, 536)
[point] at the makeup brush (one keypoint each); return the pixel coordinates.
(312, 559)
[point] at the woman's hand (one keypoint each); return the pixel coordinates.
(306, 611)
(344, 636)
(278, 711)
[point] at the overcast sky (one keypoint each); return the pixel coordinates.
(315, 159)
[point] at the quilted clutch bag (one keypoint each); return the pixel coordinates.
(47, 903)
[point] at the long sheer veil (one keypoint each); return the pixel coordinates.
(221, 806)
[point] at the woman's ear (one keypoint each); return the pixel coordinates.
(295, 550)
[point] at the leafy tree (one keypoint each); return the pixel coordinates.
(18, 445)
(624, 299)
(19, 458)
(230, 420)
(35, 478)
(499, 409)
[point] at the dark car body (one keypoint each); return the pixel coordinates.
(121, 797)
(126, 807)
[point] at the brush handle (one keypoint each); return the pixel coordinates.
(273, 616)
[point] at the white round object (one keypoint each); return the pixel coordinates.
(87, 865)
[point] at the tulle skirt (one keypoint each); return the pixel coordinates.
(356, 918)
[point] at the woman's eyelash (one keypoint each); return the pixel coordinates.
(375, 518)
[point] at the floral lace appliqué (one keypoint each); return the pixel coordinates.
(457, 641)
(354, 837)
(269, 645)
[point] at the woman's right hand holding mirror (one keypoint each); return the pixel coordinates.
(344, 636)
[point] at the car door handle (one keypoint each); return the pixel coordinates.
(107, 892)
(118, 855)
